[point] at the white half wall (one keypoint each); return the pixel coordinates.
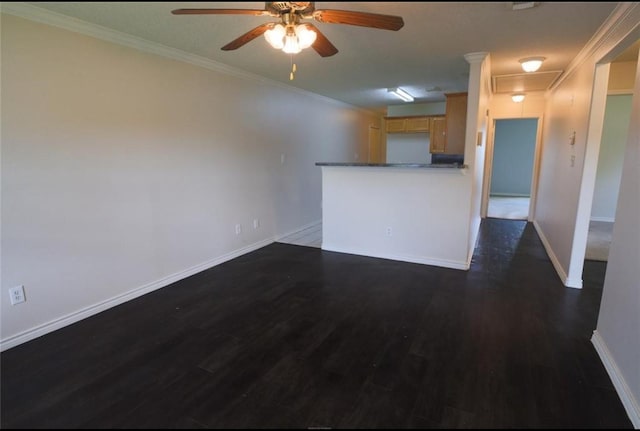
(417, 215)
(123, 171)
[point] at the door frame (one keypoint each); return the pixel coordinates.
(488, 165)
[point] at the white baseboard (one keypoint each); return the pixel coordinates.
(626, 396)
(404, 258)
(568, 282)
(510, 195)
(89, 311)
(607, 219)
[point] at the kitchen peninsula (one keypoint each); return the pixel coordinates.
(411, 212)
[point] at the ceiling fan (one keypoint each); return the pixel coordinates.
(290, 34)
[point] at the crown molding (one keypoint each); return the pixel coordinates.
(624, 19)
(43, 16)
(475, 57)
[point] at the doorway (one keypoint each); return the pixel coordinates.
(602, 88)
(609, 170)
(617, 116)
(375, 149)
(511, 168)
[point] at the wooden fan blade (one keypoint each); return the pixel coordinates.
(247, 37)
(256, 12)
(364, 19)
(322, 45)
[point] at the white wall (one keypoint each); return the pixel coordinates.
(565, 192)
(123, 171)
(561, 168)
(567, 172)
(617, 336)
(479, 99)
(408, 109)
(408, 148)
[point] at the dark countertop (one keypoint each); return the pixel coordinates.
(398, 165)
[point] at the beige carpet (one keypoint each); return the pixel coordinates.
(514, 208)
(599, 240)
(309, 237)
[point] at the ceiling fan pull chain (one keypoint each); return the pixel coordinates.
(293, 69)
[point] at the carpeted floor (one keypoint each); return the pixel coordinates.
(309, 237)
(508, 207)
(599, 240)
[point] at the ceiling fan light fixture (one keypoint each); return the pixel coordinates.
(291, 39)
(399, 92)
(306, 36)
(275, 36)
(291, 45)
(531, 64)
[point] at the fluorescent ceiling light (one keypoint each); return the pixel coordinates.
(401, 94)
(531, 64)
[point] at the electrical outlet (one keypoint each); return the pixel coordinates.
(256, 223)
(17, 295)
(238, 229)
(389, 231)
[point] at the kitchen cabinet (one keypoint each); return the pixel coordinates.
(396, 125)
(438, 137)
(456, 123)
(415, 124)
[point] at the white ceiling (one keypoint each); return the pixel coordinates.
(427, 53)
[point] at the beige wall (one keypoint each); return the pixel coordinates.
(562, 165)
(123, 171)
(621, 77)
(531, 107)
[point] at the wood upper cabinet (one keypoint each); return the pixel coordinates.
(407, 124)
(437, 135)
(417, 124)
(456, 125)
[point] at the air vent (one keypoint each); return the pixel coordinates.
(519, 82)
(521, 5)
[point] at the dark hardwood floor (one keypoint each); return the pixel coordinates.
(294, 337)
